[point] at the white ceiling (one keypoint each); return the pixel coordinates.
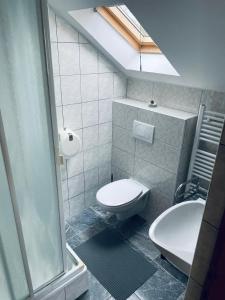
(190, 33)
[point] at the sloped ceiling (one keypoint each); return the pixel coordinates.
(190, 33)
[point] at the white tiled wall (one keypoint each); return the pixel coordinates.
(85, 84)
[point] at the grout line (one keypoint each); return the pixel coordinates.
(86, 74)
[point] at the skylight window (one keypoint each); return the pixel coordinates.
(121, 18)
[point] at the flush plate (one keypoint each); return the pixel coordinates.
(143, 131)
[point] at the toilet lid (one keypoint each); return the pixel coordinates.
(119, 192)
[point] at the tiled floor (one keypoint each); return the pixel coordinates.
(166, 283)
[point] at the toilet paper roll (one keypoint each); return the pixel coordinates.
(70, 143)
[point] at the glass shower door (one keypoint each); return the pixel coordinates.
(13, 284)
(25, 108)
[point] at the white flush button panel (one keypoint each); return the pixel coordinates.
(143, 131)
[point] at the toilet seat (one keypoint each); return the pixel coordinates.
(119, 193)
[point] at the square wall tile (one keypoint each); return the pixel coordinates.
(82, 39)
(89, 87)
(153, 176)
(76, 205)
(214, 101)
(105, 153)
(65, 32)
(65, 191)
(55, 58)
(156, 205)
(104, 173)
(52, 25)
(69, 58)
(146, 116)
(158, 153)
(105, 85)
(123, 139)
(90, 137)
(169, 130)
(72, 116)
(57, 89)
(118, 173)
(75, 165)
(90, 197)
(141, 90)
(90, 113)
(76, 185)
(91, 179)
(70, 86)
(91, 159)
(177, 97)
(124, 115)
(104, 66)
(119, 85)
(105, 133)
(88, 59)
(59, 115)
(105, 111)
(122, 160)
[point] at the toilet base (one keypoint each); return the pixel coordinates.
(133, 210)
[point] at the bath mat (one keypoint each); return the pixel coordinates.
(119, 268)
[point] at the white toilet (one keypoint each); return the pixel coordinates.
(125, 197)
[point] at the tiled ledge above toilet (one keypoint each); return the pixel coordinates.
(174, 113)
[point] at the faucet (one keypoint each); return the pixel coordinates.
(191, 192)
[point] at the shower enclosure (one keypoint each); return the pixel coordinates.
(33, 256)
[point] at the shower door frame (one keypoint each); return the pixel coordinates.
(44, 36)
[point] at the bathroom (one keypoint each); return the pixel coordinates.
(125, 144)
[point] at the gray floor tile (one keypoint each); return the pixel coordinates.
(129, 227)
(91, 231)
(101, 212)
(172, 270)
(161, 286)
(133, 297)
(69, 232)
(144, 245)
(74, 242)
(181, 297)
(88, 218)
(144, 230)
(96, 291)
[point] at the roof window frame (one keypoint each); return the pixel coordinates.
(117, 19)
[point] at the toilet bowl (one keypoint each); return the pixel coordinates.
(125, 197)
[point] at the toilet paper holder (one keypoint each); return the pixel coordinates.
(69, 142)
